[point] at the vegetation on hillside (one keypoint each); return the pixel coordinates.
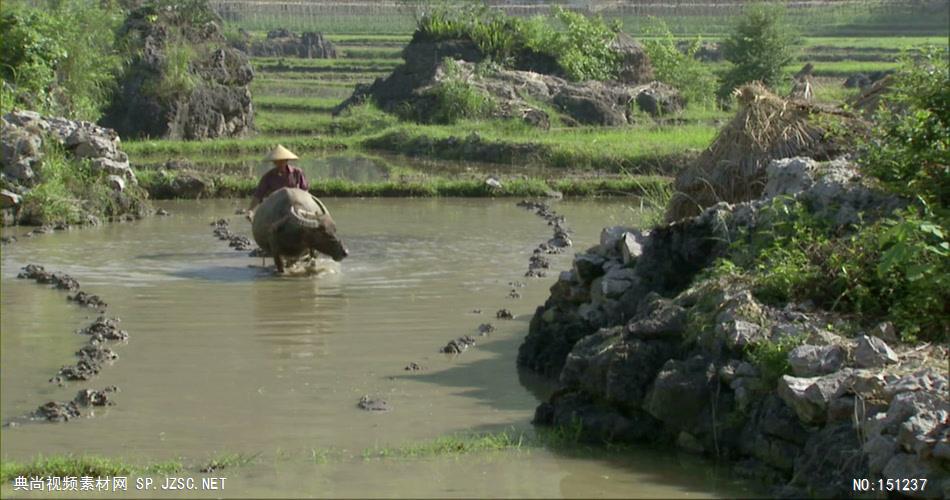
(580, 45)
(58, 57)
(70, 190)
(676, 67)
(895, 269)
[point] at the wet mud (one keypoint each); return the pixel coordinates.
(374, 404)
(92, 356)
(222, 230)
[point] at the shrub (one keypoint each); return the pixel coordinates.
(909, 150)
(759, 48)
(582, 49)
(677, 68)
(895, 269)
(455, 98)
(69, 189)
(579, 44)
(59, 59)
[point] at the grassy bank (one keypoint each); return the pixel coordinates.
(163, 186)
(564, 439)
(83, 466)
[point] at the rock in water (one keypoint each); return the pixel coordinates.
(374, 404)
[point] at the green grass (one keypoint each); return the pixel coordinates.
(408, 183)
(875, 42)
(644, 149)
(452, 446)
(329, 77)
(260, 144)
(285, 123)
(266, 64)
(370, 52)
(369, 39)
(229, 461)
(291, 103)
(81, 466)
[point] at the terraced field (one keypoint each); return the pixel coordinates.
(294, 99)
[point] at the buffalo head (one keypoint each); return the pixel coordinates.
(319, 233)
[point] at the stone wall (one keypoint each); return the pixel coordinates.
(22, 136)
(645, 351)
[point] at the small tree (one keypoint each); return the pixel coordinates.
(675, 67)
(759, 48)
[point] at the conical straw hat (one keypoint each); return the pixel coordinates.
(281, 153)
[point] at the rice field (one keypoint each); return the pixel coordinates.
(293, 98)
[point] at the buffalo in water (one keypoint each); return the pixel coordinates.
(291, 224)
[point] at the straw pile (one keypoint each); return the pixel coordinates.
(765, 128)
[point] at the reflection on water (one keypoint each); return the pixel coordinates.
(223, 356)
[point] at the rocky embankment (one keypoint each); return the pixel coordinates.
(648, 348)
(23, 135)
(527, 92)
(285, 43)
(183, 82)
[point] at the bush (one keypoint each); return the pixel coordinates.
(759, 47)
(895, 269)
(60, 58)
(456, 99)
(579, 44)
(910, 146)
(70, 189)
(680, 69)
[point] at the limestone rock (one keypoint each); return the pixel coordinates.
(658, 99)
(810, 397)
(631, 246)
(872, 352)
(810, 360)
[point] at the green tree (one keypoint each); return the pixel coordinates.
(59, 57)
(760, 46)
(678, 68)
(909, 149)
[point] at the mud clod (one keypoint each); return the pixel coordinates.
(61, 281)
(458, 345)
(414, 367)
(513, 294)
(105, 329)
(57, 412)
(88, 300)
(504, 314)
(92, 397)
(222, 230)
(239, 242)
(85, 369)
(373, 404)
(485, 329)
(97, 352)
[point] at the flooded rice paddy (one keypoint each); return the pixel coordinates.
(224, 357)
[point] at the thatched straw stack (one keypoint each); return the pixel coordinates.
(766, 127)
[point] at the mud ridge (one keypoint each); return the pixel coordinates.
(92, 356)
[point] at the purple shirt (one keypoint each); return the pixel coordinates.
(274, 180)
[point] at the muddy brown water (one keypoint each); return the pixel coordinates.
(227, 358)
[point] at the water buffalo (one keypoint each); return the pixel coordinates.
(291, 223)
